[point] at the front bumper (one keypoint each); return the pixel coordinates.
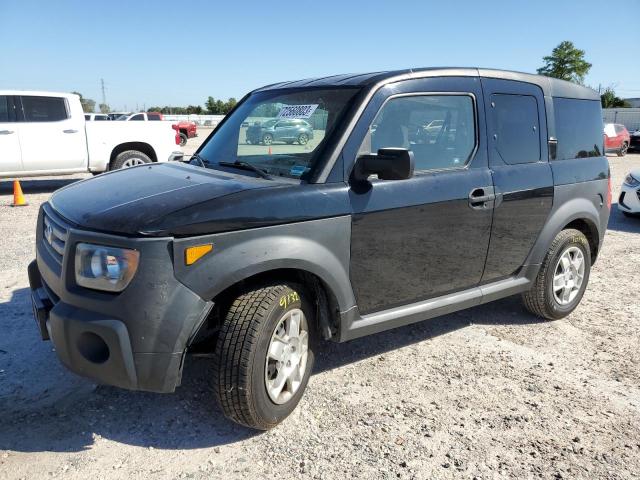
(629, 199)
(136, 339)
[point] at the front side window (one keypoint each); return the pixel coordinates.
(44, 109)
(516, 128)
(579, 128)
(438, 129)
(282, 132)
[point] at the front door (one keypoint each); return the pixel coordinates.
(10, 156)
(52, 139)
(426, 236)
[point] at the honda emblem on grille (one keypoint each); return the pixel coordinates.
(48, 233)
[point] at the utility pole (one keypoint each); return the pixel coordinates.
(104, 96)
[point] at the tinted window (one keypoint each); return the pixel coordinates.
(87, 117)
(619, 129)
(153, 116)
(101, 117)
(44, 109)
(4, 109)
(516, 128)
(578, 128)
(139, 116)
(438, 129)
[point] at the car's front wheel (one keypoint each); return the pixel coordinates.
(267, 139)
(563, 277)
(264, 355)
(303, 138)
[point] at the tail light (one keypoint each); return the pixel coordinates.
(177, 138)
(609, 193)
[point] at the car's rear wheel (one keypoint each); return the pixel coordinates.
(624, 148)
(129, 158)
(264, 356)
(267, 139)
(303, 138)
(183, 139)
(563, 277)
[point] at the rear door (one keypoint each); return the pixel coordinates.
(10, 156)
(52, 137)
(518, 159)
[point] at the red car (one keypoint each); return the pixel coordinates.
(186, 130)
(616, 139)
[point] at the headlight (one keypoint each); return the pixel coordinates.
(631, 181)
(105, 268)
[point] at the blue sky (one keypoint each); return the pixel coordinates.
(178, 53)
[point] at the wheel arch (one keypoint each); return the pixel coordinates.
(138, 146)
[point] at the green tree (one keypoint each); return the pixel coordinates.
(104, 108)
(609, 99)
(88, 105)
(567, 63)
(218, 107)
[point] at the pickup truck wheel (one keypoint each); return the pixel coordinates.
(129, 158)
(624, 148)
(264, 356)
(183, 139)
(562, 278)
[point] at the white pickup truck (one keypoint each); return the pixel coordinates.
(45, 133)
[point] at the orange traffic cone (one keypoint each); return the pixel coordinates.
(18, 196)
(269, 150)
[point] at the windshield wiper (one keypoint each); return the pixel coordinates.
(246, 166)
(203, 162)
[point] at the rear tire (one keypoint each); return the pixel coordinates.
(547, 297)
(624, 148)
(183, 139)
(267, 139)
(254, 335)
(129, 158)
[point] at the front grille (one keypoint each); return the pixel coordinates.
(55, 233)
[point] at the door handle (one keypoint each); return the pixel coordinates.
(479, 197)
(6, 132)
(70, 131)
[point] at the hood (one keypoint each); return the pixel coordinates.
(127, 201)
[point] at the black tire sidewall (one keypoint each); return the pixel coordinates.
(183, 139)
(270, 412)
(557, 310)
(124, 156)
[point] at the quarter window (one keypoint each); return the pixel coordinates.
(516, 128)
(438, 129)
(44, 109)
(578, 128)
(4, 109)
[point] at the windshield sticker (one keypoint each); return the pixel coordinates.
(297, 170)
(297, 111)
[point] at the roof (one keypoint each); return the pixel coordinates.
(550, 86)
(37, 93)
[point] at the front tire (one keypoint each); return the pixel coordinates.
(264, 356)
(129, 158)
(267, 139)
(563, 277)
(303, 138)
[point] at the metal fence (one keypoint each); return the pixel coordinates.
(629, 117)
(201, 120)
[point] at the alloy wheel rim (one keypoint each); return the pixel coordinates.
(287, 355)
(624, 148)
(303, 139)
(267, 140)
(568, 275)
(133, 162)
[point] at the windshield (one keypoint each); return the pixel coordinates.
(282, 132)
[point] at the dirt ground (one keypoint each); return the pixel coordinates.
(490, 392)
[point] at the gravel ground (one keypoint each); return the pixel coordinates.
(490, 392)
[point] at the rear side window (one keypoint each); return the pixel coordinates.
(153, 116)
(4, 109)
(438, 129)
(138, 117)
(578, 128)
(101, 117)
(516, 128)
(44, 109)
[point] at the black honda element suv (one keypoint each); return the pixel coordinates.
(419, 193)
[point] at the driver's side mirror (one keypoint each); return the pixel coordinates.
(387, 164)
